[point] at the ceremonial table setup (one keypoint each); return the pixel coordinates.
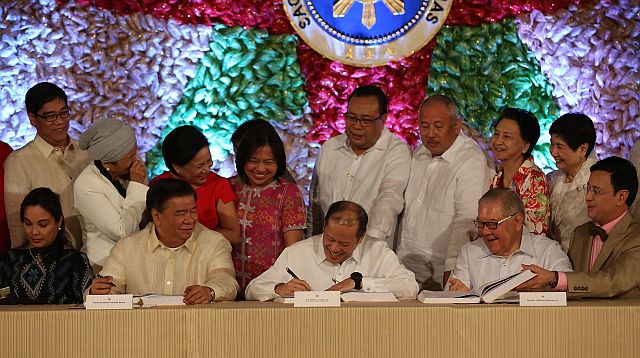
(588, 328)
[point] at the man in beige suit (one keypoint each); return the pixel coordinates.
(605, 252)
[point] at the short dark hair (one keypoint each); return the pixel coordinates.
(342, 206)
(49, 201)
(42, 93)
(623, 175)
(246, 126)
(255, 138)
(575, 129)
(372, 91)
(167, 188)
(181, 145)
(527, 123)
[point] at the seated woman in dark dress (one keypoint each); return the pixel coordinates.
(44, 270)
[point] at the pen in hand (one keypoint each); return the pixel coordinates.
(292, 274)
(109, 283)
(296, 284)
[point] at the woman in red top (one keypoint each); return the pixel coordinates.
(186, 154)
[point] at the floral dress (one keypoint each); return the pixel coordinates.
(530, 184)
(265, 214)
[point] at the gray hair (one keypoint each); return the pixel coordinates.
(509, 200)
(447, 101)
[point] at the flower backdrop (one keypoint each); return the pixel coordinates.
(162, 63)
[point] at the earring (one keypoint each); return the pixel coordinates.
(59, 228)
(107, 168)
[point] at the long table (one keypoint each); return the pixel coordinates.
(251, 329)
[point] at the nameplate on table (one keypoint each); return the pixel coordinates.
(546, 299)
(109, 302)
(316, 299)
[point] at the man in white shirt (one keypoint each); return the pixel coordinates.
(505, 247)
(51, 160)
(366, 164)
(173, 255)
(340, 259)
(449, 173)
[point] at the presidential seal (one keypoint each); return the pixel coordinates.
(367, 33)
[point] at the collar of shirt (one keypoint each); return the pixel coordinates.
(583, 173)
(524, 169)
(518, 177)
(154, 243)
(450, 154)
(47, 149)
(381, 144)
(320, 256)
(526, 247)
(609, 226)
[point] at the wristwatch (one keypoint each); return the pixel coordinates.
(554, 283)
(357, 278)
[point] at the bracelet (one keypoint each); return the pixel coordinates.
(213, 295)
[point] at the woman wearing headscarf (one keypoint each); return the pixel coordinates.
(110, 193)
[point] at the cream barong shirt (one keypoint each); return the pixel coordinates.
(375, 180)
(141, 264)
(379, 266)
(441, 202)
(568, 204)
(39, 164)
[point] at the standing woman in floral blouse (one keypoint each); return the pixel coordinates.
(270, 208)
(516, 133)
(46, 270)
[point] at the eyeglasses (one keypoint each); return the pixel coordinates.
(491, 225)
(49, 118)
(595, 191)
(351, 120)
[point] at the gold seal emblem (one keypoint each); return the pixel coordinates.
(367, 33)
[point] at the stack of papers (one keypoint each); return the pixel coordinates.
(151, 300)
(353, 296)
(361, 296)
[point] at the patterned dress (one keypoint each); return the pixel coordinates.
(265, 214)
(45, 275)
(530, 184)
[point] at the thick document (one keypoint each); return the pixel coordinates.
(283, 299)
(361, 296)
(491, 292)
(151, 300)
(353, 296)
